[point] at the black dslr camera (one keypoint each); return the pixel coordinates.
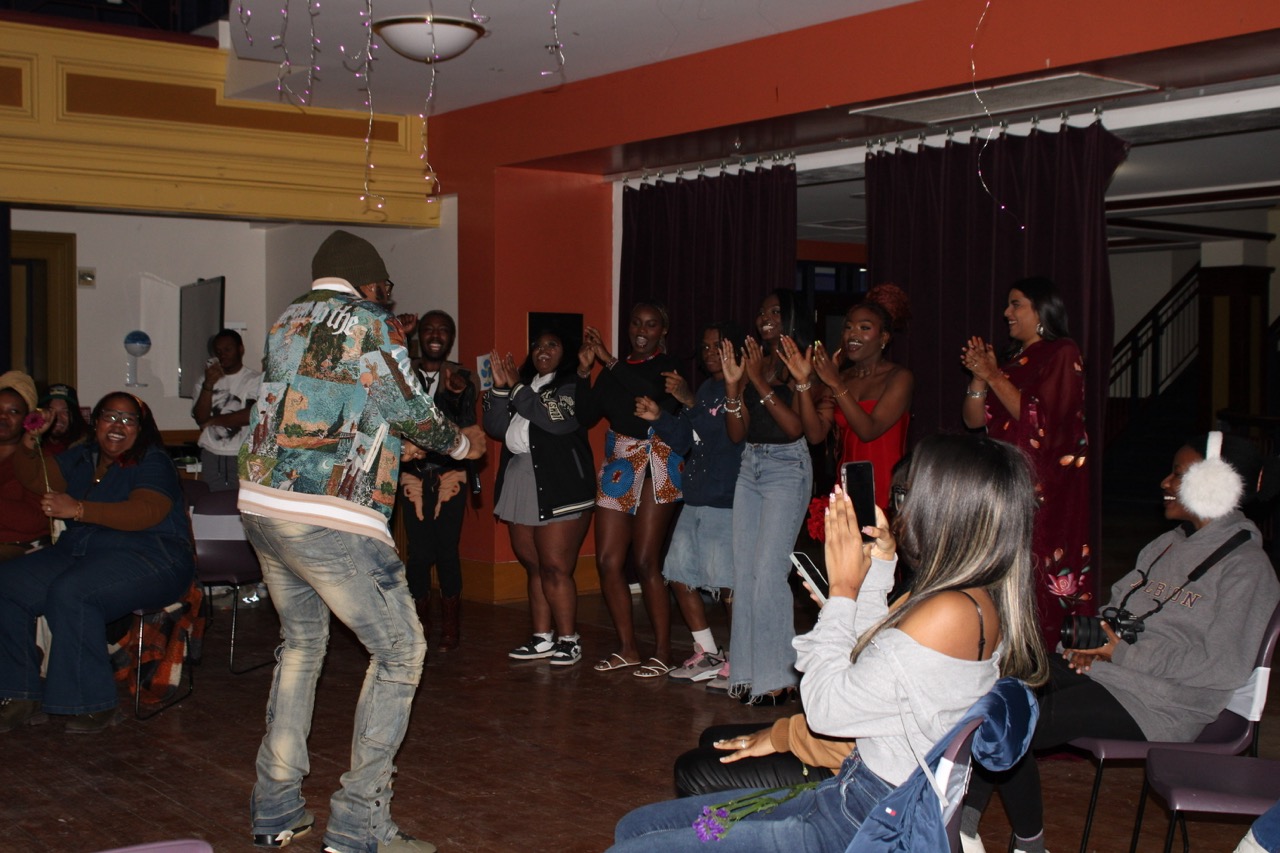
(1085, 632)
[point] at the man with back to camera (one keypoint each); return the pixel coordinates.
(223, 399)
(317, 484)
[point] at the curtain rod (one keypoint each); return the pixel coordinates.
(712, 167)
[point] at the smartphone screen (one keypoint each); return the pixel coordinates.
(812, 575)
(859, 483)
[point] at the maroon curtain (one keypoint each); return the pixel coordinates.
(956, 247)
(708, 248)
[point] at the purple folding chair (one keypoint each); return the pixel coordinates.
(224, 557)
(1216, 784)
(1234, 731)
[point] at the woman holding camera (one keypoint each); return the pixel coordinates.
(1188, 622)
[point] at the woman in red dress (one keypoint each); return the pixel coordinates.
(1036, 401)
(866, 396)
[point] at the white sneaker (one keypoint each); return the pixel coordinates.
(972, 844)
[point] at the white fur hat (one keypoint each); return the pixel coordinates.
(1211, 488)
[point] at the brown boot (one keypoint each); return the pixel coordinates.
(424, 614)
(449, 630)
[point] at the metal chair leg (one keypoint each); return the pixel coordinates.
(1137, 821)
(1168, 836)
(231, 662)
(1093, 804)
(189, 672)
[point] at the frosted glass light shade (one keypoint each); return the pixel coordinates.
(411, 36)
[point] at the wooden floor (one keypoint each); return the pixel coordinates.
(500, 756)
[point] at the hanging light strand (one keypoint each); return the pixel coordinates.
(556, 48)
(361, 64)
(286, 64)
(245, 14)
(986, 140)
(476, 16)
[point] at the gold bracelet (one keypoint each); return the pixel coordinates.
(841, 394)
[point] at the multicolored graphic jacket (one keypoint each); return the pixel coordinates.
(336, 398)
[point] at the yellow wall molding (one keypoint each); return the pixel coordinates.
(92, 120)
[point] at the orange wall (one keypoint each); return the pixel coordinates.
(555, 255)
(540, 239)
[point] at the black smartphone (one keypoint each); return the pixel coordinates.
(859, 482)
(812, 575)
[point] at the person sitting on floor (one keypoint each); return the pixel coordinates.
(127, 546)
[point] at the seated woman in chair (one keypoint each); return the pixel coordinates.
(895, 681)
(127, 546)
(1202, 594)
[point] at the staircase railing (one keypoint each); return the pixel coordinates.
(1155, 352)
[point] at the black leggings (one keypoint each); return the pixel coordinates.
(699, 771)
(1071, 706)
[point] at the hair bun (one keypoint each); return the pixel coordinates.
(894, 301)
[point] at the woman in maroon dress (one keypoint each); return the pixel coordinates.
(1036, 401)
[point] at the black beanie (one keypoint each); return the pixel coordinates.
(344, 255)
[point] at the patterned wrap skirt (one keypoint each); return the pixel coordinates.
(626, 461)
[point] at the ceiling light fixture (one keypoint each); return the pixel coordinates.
(428, 38)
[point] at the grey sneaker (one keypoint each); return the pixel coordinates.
(720, 683)
(402, 843)
(703, 666)
(15, 713)
(535, 649)
(287, 836)
(567, 652)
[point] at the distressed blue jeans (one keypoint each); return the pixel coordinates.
(769, 503)
(822, 820)
(311, 572)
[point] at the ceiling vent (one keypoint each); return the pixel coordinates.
(1026, 96)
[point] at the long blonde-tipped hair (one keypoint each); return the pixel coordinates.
(966, 522)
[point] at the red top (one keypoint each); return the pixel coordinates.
(883, 453)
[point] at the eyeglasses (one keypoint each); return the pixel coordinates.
(127, 419)
(389, 285)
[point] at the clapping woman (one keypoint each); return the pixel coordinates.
(1036, 401)
(867, 398)
(545, 488)
(127, 545)
(639, 481)
(774, 480)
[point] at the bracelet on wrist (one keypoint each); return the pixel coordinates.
(609, 365)
(733, 405)
(977, 395)
(586, 375)
(79, 511)
(804, 386)
(768, 398)
(843, 391)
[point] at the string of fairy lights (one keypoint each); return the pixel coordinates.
(360, 62)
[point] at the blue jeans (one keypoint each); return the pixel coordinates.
(311, 572)
(91, 577)
(823, 819)
(769, 505)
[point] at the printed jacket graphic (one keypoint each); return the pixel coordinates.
(337, 396)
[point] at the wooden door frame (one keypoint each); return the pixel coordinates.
(58, 252)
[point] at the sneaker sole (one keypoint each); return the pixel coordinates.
(269, 841)
(721, 690)
(566, 662)
(708, 675)
(535, 656)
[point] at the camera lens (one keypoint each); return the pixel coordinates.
(1082, 632)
